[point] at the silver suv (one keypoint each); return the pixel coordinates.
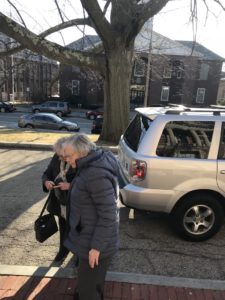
(172, 160)
(59, 108)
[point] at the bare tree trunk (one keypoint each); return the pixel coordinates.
(117, 93)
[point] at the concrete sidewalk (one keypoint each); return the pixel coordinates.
(56, 283)
(21, 282)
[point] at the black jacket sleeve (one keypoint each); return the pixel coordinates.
(51, 172)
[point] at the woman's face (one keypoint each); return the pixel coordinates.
(70, 155)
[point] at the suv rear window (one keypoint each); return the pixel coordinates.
(136, 131)
(186, 140)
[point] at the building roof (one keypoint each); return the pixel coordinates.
(203, 51)
(159, 44)
(6, 41)
(85, 43)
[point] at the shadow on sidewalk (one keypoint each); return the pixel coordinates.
(39, 286)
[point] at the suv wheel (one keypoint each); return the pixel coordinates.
(64, 129)
(2, 109)
(59, 113)
(29, 126)
(198, 217)
(36, 111)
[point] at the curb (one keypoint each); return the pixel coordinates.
(46, 147)
(58, 272)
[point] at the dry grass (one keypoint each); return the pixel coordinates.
(30, 136)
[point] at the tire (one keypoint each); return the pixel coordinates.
(64, 129)
(92, 117)
(198, 217)
(59, 113)
(29, 126)
(2, 109)
(36, 111)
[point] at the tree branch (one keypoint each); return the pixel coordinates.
(54, 51)
(106, 6)
(220, 4)
(64, 25)
(22, 21)
(59, 11)
(47, 32)
(101, 25)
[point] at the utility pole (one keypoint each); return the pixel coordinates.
(13, 79)
(148, 66)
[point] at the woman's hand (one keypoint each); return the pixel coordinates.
(93, 258)
(49, 185)
(64, 186)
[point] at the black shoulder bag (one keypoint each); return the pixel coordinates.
(45, 225)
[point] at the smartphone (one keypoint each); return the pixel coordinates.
(56, 186)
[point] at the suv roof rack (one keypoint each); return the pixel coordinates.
(216, 110)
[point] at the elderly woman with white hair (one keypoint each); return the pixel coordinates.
(93, 214)
(56, 180)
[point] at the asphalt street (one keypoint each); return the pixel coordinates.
(147, 243)
(10, 120)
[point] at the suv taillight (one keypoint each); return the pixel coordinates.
(138, 170)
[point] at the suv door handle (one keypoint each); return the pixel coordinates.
(222, 172)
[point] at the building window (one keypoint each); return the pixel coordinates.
(203, 72)
(2, 87)
(139, 68)
(165, 93)
(179, 74)
(167, 72)
(76, 87)
(200, 97)
(75, 69)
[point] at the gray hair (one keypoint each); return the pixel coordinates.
(80, 143)
(59, 144)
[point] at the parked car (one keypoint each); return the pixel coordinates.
(93, 114)
(172, 160)
(6, 107)
(59, 108)
(46, 121)
(97, 125)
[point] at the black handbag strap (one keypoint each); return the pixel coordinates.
(44, 207)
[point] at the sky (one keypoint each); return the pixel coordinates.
(173, 21)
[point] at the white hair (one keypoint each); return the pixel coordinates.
(58, 146)
(80, 144)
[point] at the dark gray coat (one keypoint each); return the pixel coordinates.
(93, 206)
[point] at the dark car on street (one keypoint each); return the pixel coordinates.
(97, 125)
(59, 108)
(46, 121)
(6, 107)
(93, 114)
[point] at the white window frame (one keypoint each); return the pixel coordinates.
(75, 86)
(139, 68)
(200, 96)
(167, 72)
(165, 89)
(179, 74)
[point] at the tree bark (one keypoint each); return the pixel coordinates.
(116, 93)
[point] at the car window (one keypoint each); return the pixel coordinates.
(61, 105)
(136, 131)
(38, 118)
(186, 140)
(48, 119)
(221, 154)
(53, 104)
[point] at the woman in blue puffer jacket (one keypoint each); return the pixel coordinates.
(93, 215)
